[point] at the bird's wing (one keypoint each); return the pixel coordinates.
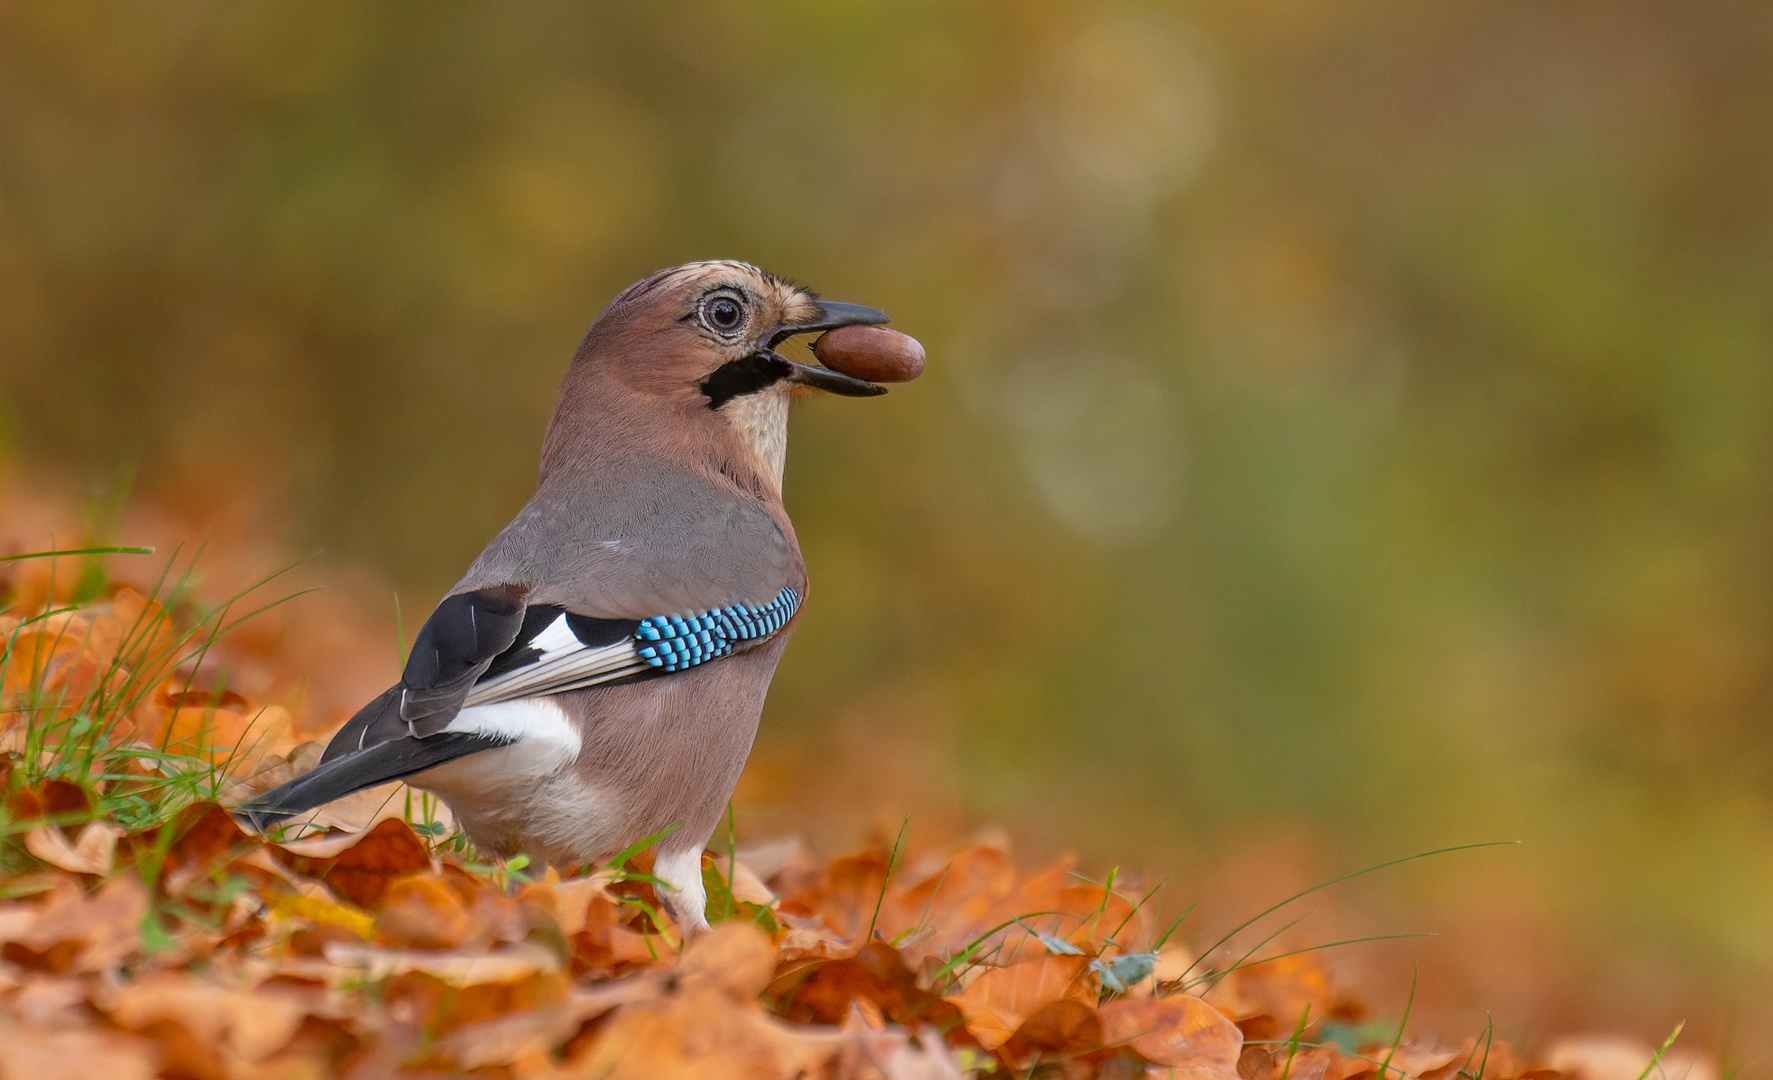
(457, 644)
(560, 650)
(482, 648)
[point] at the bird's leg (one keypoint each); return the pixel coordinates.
(684, 897)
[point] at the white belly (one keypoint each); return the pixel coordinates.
(522, 796)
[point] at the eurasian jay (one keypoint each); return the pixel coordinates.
(598, 673)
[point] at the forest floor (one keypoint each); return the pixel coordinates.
(144, 932)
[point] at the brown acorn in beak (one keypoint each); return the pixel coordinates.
(872, 353)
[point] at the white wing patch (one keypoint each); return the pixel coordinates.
(542, 740)
(565, 663)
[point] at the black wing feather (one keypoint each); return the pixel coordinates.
(395, 759)
(454, 648)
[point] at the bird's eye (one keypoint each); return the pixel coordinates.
(723, 314)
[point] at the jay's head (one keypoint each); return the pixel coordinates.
(700, 340)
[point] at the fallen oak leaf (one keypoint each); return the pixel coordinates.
(735, 958)
(806, 935)
(824, 991)
(247, 1025)
(517, 1035)
(362, 871)
(746, 886)
(216, 725)
(1266, 998)
(93, 852)
(1181, 1032)
(72, 932)
(845, 895)
(439, 1006)
(1061, 1029)
(694, 1034)
(605, 944)
(1612, 1057)
(1428, 1059)
(998, 1000)
(321, 910)
(61, 800)
(77, 1055)
(422, 911)
(1329, 1063)
(567, 902)
(705, 1021)
(508, 963)
(527, 1034)
(206, 833)
(57, 664)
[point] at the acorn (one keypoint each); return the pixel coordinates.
(874, 353)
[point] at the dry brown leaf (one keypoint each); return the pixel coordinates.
(998, 1000)
(312, 907)
(806, 935)
(704, 1033)
(512, 1037)
(362, 872)
(422, 911)
(824, 992)
(206, 832)
(1616, 1057)
(246, 1025)
(1329, 1063)
(93, 852)
(509, 963)
(567, 903)
(48, 1001)
(49, 799)
(70, 931)
(1426, 1058)
(76, 1055)
(60, 659)
(1065, 1028)
(221, 726)
(1276, 992)
(141, 626)
(736, 958)
(747, 886)
(1180, 1031)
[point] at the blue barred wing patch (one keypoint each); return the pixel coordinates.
(564, 652)
(673, 643)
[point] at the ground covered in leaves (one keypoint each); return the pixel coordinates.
(144, 933)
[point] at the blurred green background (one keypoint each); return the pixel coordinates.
(1349, 421)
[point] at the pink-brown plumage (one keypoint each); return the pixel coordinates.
(659, 495)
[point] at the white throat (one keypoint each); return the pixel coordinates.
(762, 418)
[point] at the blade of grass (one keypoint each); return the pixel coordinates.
(1489, 1033)
(967, 953)
(1177, 925)
(1212, 978)
(1293, 1043)
(1656, 1058)
(1398, 1039)
(1143, 900)
(1325, 945)
(1337, 880)
(892, 864)
(56, 552)
(620, 858)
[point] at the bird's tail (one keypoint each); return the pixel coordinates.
(395, 759)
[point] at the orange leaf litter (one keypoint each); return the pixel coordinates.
(198, 949)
